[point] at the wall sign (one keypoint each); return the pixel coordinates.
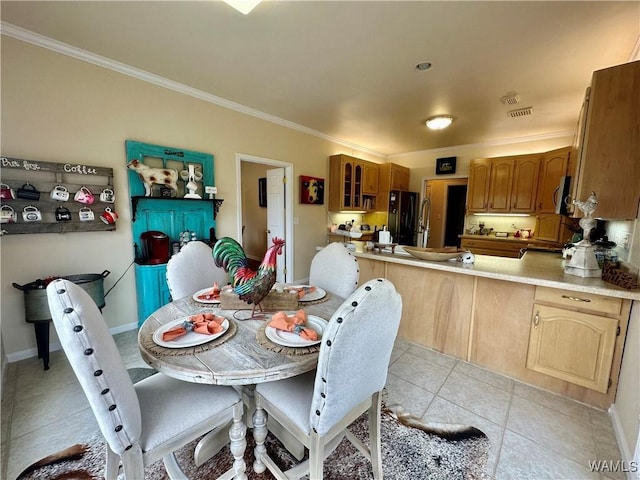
(445, 165)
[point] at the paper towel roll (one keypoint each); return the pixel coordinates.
(384, 237)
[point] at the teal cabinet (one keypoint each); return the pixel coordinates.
(168, 214)
(152, 290)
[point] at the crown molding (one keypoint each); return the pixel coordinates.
(28, 36)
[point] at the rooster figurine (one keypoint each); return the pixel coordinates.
(251, 286)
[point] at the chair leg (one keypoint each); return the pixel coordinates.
(374, 435)
(132, 463)
(316, 457)
(112, 464)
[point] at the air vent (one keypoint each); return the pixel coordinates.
(520, 112)
(510, 99)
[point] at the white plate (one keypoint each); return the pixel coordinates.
(288, 339)
(202, 292)
(317, 294)
(190, 339)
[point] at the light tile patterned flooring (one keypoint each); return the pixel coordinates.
(534, 434)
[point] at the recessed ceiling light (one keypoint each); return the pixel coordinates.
(439, 122)
(422, 66)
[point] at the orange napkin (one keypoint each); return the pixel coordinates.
(294, 324)
(213, 294)
(205, 323)
(302, 291)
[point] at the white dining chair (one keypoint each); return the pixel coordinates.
(317, 407)
(192, 269)
(335, 269)
(148, 421)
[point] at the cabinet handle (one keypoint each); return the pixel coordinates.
(576, 299)
(536, 320)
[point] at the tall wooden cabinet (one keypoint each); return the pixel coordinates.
(609, 144)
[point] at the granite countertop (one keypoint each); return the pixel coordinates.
(510, 238)
(534, 268)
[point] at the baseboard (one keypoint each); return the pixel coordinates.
(627, 454)
(54, 346)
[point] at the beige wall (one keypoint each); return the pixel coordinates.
(58, 109)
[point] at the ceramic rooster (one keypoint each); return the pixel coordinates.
(251, 286)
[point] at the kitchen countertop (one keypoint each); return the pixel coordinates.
(510, 238)
(534, 268)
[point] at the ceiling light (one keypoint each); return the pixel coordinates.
(422, 66)
(243, 6)
(439, 122)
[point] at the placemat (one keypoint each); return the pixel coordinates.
(150, 345)
(261, 338)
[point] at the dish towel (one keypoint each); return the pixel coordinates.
(204, 323)
(213, 294)
(294, 324)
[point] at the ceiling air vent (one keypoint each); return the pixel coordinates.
(510, 99)
(521, 112)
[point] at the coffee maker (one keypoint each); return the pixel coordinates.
(155, 247)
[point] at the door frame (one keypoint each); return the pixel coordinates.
(288, 203)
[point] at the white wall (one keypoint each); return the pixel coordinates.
(59, 109)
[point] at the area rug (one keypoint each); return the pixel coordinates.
(410, 450)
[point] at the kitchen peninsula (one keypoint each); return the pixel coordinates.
(524, 318)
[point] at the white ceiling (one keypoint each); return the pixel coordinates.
(347, 69)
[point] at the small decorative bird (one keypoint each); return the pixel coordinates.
(250, 285)
(589, 206)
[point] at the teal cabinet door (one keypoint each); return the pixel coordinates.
(151, 288)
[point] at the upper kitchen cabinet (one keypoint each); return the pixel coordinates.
(553, 166)
(503, 184)
(351, 184)
(399, 177)
(608, 143)
(390, 177)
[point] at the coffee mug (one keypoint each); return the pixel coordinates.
(109, 216)
(86, 214)
(63, 214)
(60, 193)
(28, 192)
(84, 195)
(107, 196)
(31, 214)
(6, 192)
(7, 214)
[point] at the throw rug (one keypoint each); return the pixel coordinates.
(410, 449)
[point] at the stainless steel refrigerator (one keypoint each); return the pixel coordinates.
(403, 217)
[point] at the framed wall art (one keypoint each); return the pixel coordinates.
(262, 192)
(311, 190)
(445, 165)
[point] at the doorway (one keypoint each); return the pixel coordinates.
(254, 222)
(446, 219)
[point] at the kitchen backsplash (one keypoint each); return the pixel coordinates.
(501, 224)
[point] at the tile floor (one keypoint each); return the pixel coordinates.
(534, 434)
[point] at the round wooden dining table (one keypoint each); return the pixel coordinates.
(241, 357)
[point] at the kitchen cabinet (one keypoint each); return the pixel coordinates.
(503, 184)
(390, 177)
(347, 180)
(370, 179)
(484, 315)
(608, 142)
(498, 248)
(553, 166)
(478, 186)
(573, 336)
(548, 227)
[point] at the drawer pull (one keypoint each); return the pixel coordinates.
(576, 299)
(536, 320)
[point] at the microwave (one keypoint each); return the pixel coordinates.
(563, 197)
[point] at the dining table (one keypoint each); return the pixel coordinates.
(248, 352)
